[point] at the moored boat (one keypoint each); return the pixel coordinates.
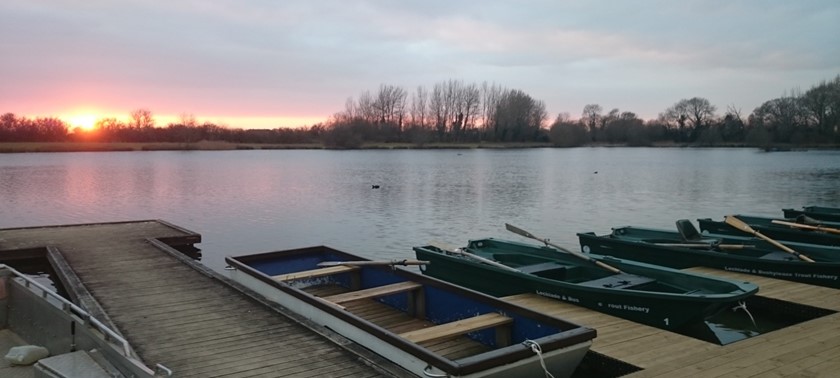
(42, 334)
(823, 213)
(669, 248)
(778, 231)
(427, 326)
(661, 297)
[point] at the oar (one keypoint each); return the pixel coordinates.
(741, 225)
(459, 252)
(527, 234)
(807, 226)
(700, 245)
(360, 263)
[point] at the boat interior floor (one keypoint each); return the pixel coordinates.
(399, 322)
(74, 364)
(8, 340)
(619, 281)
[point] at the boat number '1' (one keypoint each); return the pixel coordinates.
(666, 322)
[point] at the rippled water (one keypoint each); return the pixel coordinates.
(255, 201)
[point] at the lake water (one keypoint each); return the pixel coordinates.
(257, 201)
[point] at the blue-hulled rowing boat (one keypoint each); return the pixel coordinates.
(428, 326)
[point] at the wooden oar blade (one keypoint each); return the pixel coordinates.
(519, 231)
(739, 224)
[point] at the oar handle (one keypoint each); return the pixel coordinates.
(807, 226)
(527, 234)
(458, 251)
(704, 245)
(606, 266)
(403, 262)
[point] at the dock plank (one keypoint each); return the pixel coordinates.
(665, 354)
(810, 348)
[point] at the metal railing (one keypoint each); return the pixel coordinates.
(70, 308)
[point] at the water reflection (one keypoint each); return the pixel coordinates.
(252, 201)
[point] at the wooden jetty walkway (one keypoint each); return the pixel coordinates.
(184, 318)
(808, 349)
(177, 313)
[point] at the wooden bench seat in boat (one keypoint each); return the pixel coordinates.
(374, 292)
(320, 272)
(462, 327)
(619, 281)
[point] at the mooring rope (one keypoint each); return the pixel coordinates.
(743, 306)
(538, 350)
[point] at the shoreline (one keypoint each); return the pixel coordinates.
(36, 147)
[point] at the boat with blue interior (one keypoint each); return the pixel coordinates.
(428, 326)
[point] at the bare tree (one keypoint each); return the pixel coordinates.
(821, 104)
(365, 108)
(780, 117)
(419, 107)
(690, 115)
(389, 104)
(694, 112)
(591, 116)
(491, 94)
(567, 133)
(142, 118)
(518, 117)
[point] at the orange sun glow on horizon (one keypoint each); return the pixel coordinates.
(87, 122)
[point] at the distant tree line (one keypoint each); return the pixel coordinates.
(141, 128)
(453, 111)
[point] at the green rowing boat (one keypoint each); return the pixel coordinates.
(758, 257)
(661, 297)
(823, 213)
(778, 231)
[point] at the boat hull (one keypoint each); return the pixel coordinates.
(828, 214)
(669, 311)
(772, 264)
(563, 347)
(777, 232)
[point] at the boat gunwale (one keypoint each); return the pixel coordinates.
(776, 232)
(570, 333)
(798, 266)
(634, 231)
(702, 252)
(747, 289)
(822, 216)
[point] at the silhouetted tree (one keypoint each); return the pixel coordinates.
(567, 133)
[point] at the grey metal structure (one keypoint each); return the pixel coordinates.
(33, 314)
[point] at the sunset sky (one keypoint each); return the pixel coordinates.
(265, 64)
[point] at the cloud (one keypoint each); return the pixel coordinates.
(305, 57)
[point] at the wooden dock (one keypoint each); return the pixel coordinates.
(186, 319)
(808, 349)
(180, 314)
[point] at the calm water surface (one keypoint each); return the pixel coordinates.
(256, 201)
